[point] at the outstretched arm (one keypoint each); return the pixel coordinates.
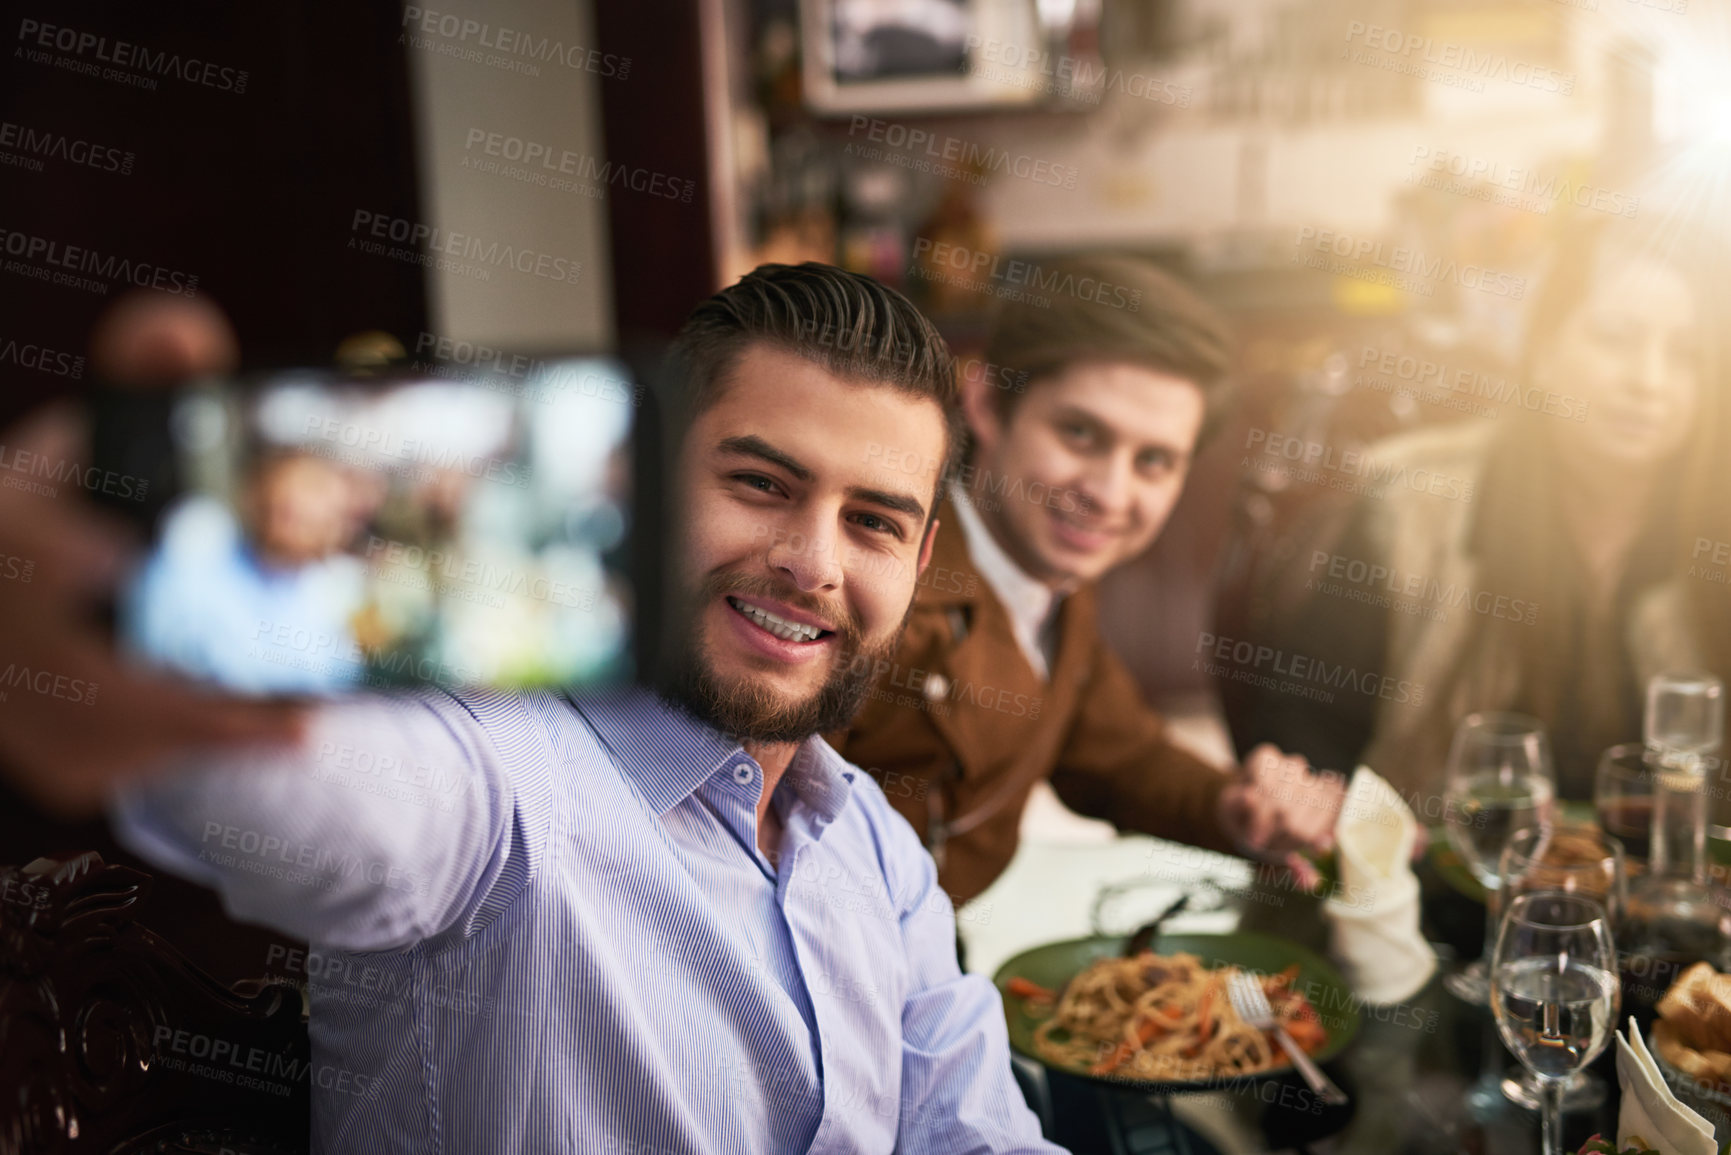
(393, 821)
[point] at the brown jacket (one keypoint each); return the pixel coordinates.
(958, 729)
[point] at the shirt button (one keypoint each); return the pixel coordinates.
(742, 774)
(936, 688)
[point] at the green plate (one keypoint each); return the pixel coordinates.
(1056, 963)
(1459, 875)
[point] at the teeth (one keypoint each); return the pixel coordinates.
(780, 627)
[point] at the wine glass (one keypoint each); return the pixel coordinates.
(1499, 781)
(1554, 991)
(1623, 798)
(1572, 859)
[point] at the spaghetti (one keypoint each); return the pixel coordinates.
(1164, 1019)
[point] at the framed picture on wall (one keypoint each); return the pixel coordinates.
(934, 55)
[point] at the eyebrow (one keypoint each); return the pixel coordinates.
(898, 502)
(753, 446)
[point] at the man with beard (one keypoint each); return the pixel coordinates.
(632, 922)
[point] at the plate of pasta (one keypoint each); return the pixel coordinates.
(1162, 1021)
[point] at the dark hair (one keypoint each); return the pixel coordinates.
(846, 323)
(1520, 534)
(1156, 321)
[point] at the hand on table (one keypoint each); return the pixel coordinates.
(75, 720)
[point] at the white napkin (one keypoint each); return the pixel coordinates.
(1651, 1116)
(1374, 913)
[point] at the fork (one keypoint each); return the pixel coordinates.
(1248, 999)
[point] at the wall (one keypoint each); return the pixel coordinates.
(517, 78)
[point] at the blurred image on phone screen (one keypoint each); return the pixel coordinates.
(338, 534)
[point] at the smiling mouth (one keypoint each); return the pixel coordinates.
(782, 628)
(1082, 527)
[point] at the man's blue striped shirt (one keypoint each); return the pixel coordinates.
(545, 925)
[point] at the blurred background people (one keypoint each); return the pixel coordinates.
(1569, 565)
(264, 602)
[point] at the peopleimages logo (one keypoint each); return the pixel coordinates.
(19, 466)
(1389, 587)
(440, 243)
(47, 684)
(455, 30)
(951, 156)
(37, 40)
(1303, 675)
(63, 264)
(1402, 259)
(374, 443)
(34, 145)
(449, 569)
(1524, 186)
(1368, 474)
(1005, 277)
(532, 378)
(27, 355)
(1458, 58)
(1422, 372)
(546, 164)
(1717, 568)
(1038, 68)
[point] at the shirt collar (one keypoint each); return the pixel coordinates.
(822, 780)
(1018, 591)
(1028, 602)
(669, 753)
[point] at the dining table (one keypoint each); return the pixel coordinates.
(1423, 1075)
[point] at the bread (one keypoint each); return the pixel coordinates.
(1712, 1067)
(1693, 1033)
(1698, 1007)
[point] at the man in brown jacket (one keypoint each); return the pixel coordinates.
(1083, 424)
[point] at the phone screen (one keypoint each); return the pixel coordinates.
(336, 534)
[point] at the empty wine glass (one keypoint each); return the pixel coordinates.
(1499, 781)
(1554, 991)
(1573, 859)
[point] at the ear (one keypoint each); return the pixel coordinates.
(980, 408)
(926, 547)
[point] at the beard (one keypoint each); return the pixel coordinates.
(746, 709)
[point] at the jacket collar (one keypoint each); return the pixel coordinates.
(951, 578)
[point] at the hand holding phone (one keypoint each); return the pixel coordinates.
(74, 720)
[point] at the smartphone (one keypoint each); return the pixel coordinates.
(312, 532)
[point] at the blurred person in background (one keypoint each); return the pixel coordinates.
(1577, 560)
(1084, 422)
(222, 582)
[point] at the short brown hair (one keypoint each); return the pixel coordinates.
(846, 323)
(1150, 318)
